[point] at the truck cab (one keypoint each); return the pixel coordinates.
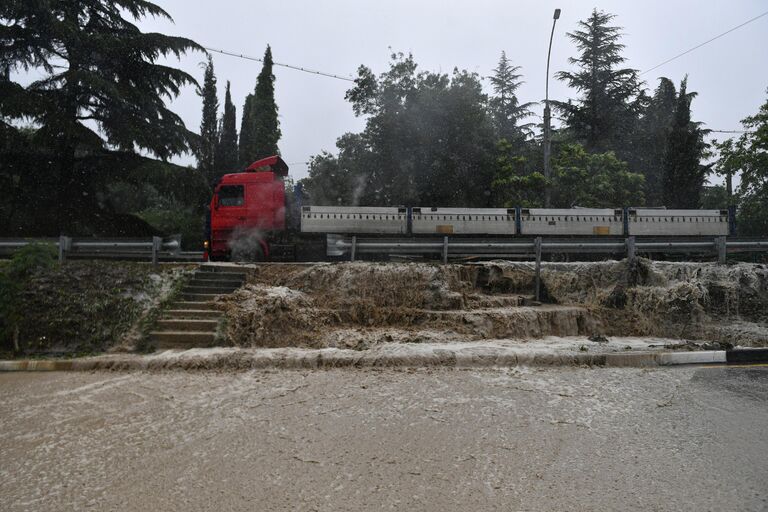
(247, 210)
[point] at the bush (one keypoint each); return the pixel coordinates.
(13, 279)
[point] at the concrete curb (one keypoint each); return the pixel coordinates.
(477, 357)
(747, 355)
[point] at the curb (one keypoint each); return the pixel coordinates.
(247, 359)
(747, 355)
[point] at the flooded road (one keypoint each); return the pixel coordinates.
(428, 439)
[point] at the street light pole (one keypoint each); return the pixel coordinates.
(547, 121)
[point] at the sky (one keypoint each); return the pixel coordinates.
(336, 36)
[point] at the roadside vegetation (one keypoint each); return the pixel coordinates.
(80, 308)
(430, 138)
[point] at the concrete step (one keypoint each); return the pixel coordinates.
(222, 269)
(182, 339)
(186, 324)
(216, 284)
(172, 314)
(199, 297)
(216, 276)
(216, 290)
(194, 305)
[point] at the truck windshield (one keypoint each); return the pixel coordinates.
(231, 195)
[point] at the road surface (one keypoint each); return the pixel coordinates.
(429, 439)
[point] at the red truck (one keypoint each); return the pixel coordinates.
(247, 208)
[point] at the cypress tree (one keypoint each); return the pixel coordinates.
(226, 149)
(683, 173)
(245, 147)
(206, 150)
(264, 127)
(604, 117)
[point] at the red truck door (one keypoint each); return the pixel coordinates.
(230, 208)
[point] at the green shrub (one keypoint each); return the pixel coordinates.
(13, 279)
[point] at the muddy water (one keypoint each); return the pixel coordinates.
(521, 439)
(318, 305)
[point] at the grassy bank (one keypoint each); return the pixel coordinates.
(82, 307)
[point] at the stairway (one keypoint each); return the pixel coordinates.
(192, 322)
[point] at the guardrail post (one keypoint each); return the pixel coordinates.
(353, 249)
(720, 245)
(445, 249)
(537, 279)
(631, 251)
(65, 244)
(157, 245)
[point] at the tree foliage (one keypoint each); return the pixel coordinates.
(604, 117)
(100, 87)
(428, 137)
(598, 180)
(246, 133)
(684, 175)
(260, 129)
(508, 112)
(748, 156)
(651, 140)
(209, 130)
(226, 148)
(514, 183)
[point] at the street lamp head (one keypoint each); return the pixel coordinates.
(557, 14)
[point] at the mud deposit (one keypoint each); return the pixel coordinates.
(522, 439)
(359, 305)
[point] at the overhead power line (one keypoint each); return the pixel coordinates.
(705, 42)
(290, 66)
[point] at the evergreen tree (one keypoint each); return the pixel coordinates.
(206, 150)
(100, 88)
(683, 173)
(507, 110)
(226, 149)
(266, 132)
(245, 147)
(652, 136)
(604, 117)
(260, 130)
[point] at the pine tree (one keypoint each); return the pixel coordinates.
(605, 115)
(505, 106)
(206, 150)
(260, 131)
(100, 86)
(226, 149)
(683, 173)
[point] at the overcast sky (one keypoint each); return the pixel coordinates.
(730, 74)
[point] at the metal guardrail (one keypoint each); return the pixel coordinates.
(630, 246)
(117, 248)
